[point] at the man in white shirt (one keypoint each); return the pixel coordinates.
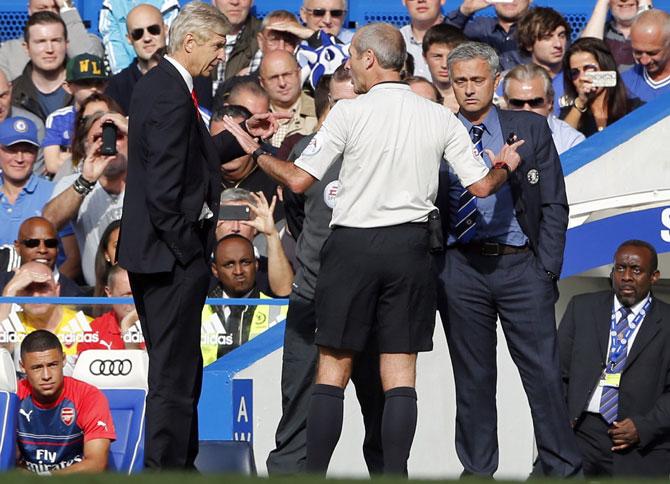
(376, 272)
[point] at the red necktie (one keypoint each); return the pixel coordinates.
(195, 103)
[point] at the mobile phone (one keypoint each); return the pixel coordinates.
(234, 212)
(602, 78)
(109, 130)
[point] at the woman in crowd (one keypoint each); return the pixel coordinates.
(105, 257)
(593, 108)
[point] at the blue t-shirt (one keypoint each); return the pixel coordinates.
(60, 127)
(52, 101)
(640, 85)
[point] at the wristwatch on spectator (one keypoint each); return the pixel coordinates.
(259, 152)
(644, 7)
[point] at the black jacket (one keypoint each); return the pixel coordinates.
(644, 392)
(24, 93)
(173, 169)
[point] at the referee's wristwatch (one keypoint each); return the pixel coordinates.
(259, 152)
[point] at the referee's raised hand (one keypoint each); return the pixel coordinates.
(246, 141)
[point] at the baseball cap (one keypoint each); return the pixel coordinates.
(18, 130)
(84, 67)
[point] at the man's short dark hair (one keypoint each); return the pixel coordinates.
(39, 18)
(321, 95)
(444, 35)
(538, 22)
(643, 244)
(232, 110)
(230, 237)
(40, 340)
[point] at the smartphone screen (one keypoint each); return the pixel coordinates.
(602, 78)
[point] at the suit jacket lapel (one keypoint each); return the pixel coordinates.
(602, 320)
(507, 127)
(648, 329)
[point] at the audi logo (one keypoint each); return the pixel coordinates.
(111, 367)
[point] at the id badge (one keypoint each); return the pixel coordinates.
(610, 380)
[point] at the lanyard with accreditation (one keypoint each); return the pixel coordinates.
(618, 343)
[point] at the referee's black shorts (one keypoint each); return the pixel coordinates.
(377, 280)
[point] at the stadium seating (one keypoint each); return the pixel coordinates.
(122, 377)
(113, 369)
(226, 457)
(9, 405)
(128, 407)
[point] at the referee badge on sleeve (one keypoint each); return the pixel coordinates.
(330, 192)
(313, 147)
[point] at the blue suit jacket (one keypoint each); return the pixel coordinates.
(538, 188)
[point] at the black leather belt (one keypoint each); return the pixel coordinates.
(483, 247)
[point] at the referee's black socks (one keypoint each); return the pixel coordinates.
(324, 426)
(398, 427)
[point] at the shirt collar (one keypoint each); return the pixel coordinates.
(390, 85)
(634, 309)
(188, 78)
(30, 185)
(489, 121)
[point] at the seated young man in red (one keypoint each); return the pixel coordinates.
(64, 425)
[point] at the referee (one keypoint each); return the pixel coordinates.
(376, 270)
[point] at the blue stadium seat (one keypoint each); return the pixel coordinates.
(226, 457)
(9, 407)
(127, 407)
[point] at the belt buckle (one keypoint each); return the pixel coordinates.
(490, 248)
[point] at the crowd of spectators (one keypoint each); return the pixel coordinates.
(61, 197)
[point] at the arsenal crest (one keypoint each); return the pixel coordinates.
(67, 415)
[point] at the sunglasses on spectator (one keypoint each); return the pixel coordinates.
(34, 243)
(532, 103)
(575, 73)
(137, 34)
(320, 12)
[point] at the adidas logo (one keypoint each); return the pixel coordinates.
(12, 330)
(212, 332)
(77, 330)
(133, 334)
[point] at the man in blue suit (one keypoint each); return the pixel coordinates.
(504, 254)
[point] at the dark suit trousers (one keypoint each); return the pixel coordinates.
(474, 291)
(169, 305)
(298, 372)
(599, 460)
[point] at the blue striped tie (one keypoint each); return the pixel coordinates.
(609, 401)
(466, 215)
